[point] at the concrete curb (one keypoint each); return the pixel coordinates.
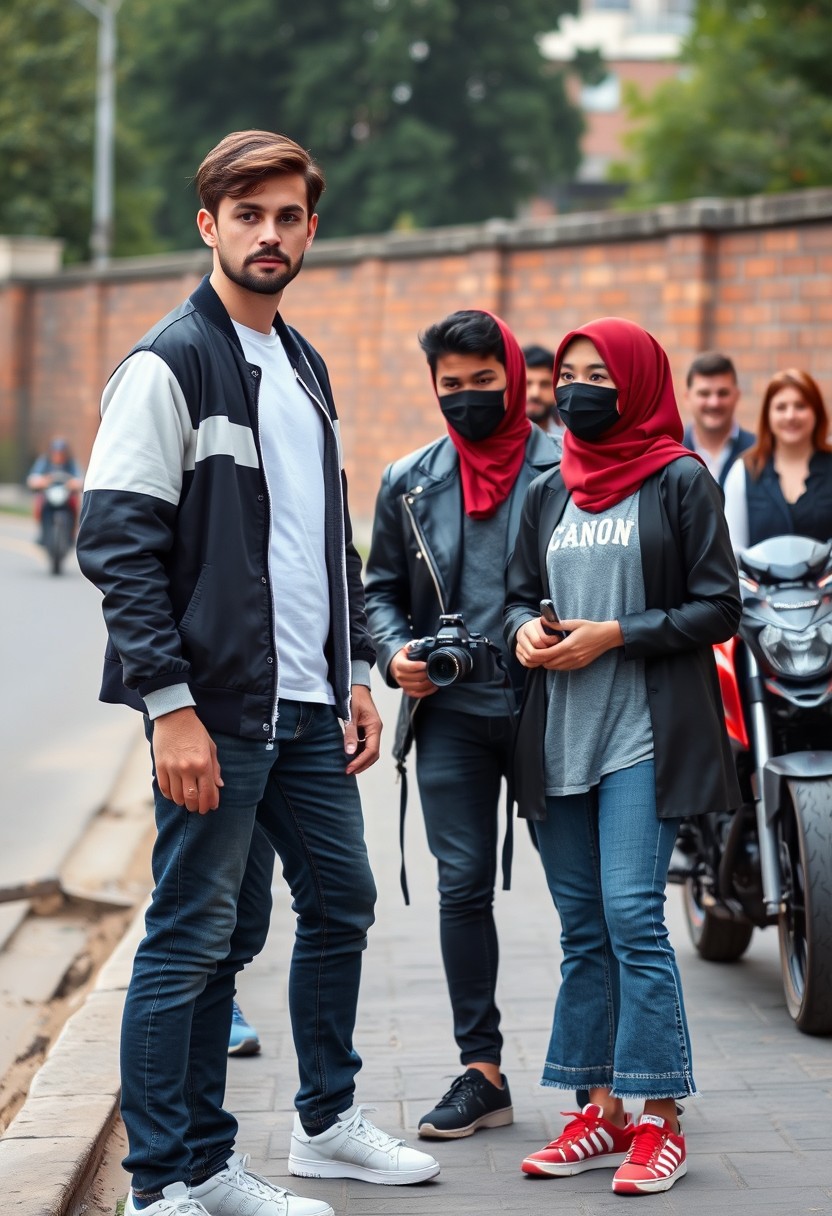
(52, 1148)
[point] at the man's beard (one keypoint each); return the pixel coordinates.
(248, 277)
(538, 413)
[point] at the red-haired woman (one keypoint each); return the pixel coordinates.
(783, 484)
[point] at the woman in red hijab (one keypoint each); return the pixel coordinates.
(621, 735)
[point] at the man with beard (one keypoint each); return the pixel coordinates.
(215, 524)
(712, 395)
(541, 407)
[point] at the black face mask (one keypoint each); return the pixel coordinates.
(474, 413)
(587, 410)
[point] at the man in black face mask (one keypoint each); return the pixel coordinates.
(446, 519)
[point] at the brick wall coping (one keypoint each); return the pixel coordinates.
(581, 228)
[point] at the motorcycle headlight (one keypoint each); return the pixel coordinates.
(807, 653)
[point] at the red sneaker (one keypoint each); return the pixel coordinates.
(588, 1142)
(655, 1161)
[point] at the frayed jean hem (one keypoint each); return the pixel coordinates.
(643, 1088)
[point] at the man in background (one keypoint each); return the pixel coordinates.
(712, 396)
(540, 389)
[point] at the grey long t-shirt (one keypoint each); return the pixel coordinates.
(598, 719)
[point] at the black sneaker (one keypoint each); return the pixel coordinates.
(471, 1102)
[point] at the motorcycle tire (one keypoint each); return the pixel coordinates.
(57, 541)
(805, 923)
(717, 939)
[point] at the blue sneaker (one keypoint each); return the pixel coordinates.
(243, 1040)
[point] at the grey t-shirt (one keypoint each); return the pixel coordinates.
(598, 719)
(481, 596)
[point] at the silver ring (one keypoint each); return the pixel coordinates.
(191, 791)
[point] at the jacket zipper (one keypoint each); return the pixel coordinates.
(423, 549)
(276, 685)
(344, 584)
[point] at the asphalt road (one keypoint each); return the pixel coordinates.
(60, 749)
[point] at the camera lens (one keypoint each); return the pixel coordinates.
(448, 664)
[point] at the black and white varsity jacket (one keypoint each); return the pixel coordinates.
(175, 527)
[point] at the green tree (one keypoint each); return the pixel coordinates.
(752, 111)
(422, 112)
(47, 115)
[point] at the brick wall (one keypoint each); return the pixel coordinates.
(751, 277)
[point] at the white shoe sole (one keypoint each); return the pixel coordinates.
(246, 1047)
(566, 1169)
(303, 1167)
(653, 1186)
(495, 1118)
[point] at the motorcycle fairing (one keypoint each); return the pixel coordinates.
(725, 655)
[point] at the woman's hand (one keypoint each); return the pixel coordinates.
(586, 641)
(533, 644)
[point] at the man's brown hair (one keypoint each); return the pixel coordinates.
(240, 163)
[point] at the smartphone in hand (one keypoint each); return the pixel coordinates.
(547, 611)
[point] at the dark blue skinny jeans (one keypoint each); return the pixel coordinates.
(461, 760)
(209, 916)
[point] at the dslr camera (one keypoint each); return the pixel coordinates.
(455, 654)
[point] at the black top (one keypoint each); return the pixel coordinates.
(769, 514)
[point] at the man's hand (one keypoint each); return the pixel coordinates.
(586, 641)
(410, 676)
(187, 768)
(534, 643)
(362, 736)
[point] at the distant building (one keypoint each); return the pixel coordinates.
(639, 41)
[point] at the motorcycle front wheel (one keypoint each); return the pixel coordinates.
(805, 923)
(717, 939)
(58, 538)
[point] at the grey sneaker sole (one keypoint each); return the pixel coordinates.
(494, 1118)
(302, 1167)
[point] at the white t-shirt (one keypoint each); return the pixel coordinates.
(292, 444)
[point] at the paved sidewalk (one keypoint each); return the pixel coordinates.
(758, 1136)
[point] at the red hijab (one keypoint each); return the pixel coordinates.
(646, 437)
(489, 467)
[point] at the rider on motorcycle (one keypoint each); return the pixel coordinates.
(56, 464)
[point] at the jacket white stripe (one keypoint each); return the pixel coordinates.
(217, 436)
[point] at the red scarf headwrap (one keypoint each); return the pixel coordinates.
(489, 467)
(645, 438)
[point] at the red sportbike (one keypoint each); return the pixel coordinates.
(770, 862)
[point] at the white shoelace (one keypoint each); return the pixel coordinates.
(253, 1184)
(180, 1207)
(362, 1129)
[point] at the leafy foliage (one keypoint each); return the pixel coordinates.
(47, 113)
(421, 112)
(751, 114)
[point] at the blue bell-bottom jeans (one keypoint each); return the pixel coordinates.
(619, 1017)
(461, 760)
(209, 916)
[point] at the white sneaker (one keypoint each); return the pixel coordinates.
(355, 1148)
(176, 1201)
(235, 1191)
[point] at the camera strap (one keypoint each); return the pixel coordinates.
(508, 840)
(401, 769)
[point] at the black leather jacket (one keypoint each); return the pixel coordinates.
(414, 567)
(692, 601)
